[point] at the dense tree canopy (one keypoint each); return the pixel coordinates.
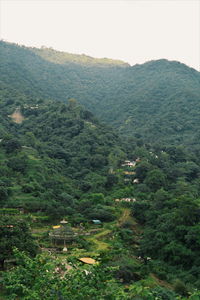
(58, 160)
(158, 100)
(15, 233)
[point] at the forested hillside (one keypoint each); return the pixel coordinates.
(158, 100)
(53, 145)
(40, 73)
(127, 196)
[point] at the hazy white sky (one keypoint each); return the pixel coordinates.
(134, 31)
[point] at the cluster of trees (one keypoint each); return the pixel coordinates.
(94, 283)
(168, 208)
(14, 233)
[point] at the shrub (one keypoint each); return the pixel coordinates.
(180, 288)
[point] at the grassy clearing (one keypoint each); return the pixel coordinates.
(98, 243)
(17, 116)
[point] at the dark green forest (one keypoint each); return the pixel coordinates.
(158, 100)
(68, 124)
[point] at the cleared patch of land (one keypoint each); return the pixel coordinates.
(17, 116)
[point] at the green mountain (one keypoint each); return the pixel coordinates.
(37, 75)
(158, 100)
(58, 160)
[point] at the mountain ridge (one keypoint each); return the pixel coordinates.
(62, 57)
(89, 58)
(147, 99)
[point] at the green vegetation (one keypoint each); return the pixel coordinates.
(15, 233)
(158, 100)
(57, 160)
(62, 58)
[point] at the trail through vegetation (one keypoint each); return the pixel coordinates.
(97, 240)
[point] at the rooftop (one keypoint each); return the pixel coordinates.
(96, 221)
(88, 260)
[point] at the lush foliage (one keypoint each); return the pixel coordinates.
(15, 233)
(158, 100)
(57, 160)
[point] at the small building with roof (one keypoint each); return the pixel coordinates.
(62, 234)
(88, 260)
(128, 163)
(96, 222)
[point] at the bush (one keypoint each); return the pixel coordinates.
(163, 293)
(180, 288)
(127, 235)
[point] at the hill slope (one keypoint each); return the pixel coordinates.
(58, 160)
(59, 57)
(158, 100)
(56, 149)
